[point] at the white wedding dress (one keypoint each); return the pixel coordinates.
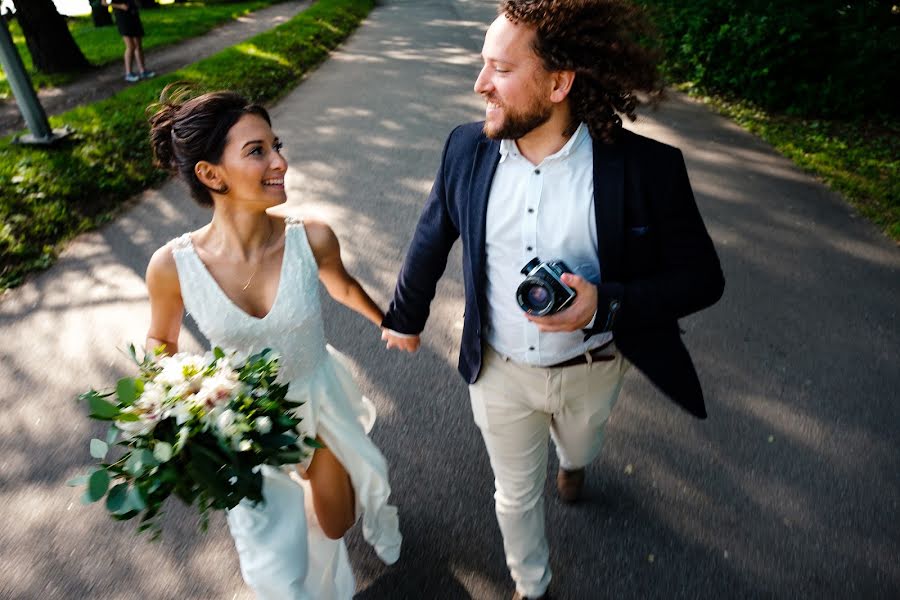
(283, 553)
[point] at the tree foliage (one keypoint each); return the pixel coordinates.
(832, 58)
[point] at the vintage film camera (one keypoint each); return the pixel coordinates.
(543, 292)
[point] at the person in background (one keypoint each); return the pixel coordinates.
(128, 21)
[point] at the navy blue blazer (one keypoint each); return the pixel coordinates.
(656, 258)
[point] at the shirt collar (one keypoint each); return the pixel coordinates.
(508, 146)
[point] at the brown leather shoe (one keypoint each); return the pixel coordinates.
(569, 484)
(518, 596)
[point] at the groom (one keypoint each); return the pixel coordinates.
(552, 174)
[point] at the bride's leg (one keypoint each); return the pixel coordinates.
(271, 539)
(332, 493)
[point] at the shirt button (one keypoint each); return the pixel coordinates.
(531, 347)
(537, 171)
(528, 248)
(530, 210)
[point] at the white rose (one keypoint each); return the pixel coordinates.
(263, 424)
(183, 435)
(215, 390)
(142, 426)
(151, 399)
(245, 445)
(225, 422)
(181, 411)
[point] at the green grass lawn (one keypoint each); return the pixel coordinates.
(859, 159)
(163, 26)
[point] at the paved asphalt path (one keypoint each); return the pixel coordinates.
(789, 490)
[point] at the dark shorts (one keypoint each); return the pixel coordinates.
(129, 24)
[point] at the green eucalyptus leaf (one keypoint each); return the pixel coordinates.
(115, 501)
(98, 483)
(277, 440)
(99, 448)
(136, 500)
(290, 457)
(77, 481)
(313, 443)
(134, 465)
(148, 459)
(112, 435)
(126, 390)
(218, 353)
(128, 417)
(100, 408)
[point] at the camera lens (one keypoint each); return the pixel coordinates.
(535, 296)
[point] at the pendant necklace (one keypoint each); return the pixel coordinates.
(261, 257)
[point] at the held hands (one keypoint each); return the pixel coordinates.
(409, 344)
(575, 316)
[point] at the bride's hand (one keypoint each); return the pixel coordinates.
(408, 343)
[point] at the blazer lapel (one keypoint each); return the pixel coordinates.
(484, 164)
(609, 200)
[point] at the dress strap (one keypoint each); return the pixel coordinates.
(182, 242)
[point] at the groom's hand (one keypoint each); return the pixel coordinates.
(575, 316)
(408, 343)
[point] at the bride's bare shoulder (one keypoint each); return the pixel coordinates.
(318, 231)
(322, 240)
(162, 272)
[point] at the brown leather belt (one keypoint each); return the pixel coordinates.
(596, 355)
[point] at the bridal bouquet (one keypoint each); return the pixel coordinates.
(196, 427)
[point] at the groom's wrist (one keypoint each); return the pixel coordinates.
(400, 335)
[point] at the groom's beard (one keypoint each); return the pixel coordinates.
(518, 124)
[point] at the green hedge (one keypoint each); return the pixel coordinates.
(832, 58)
(50, 195)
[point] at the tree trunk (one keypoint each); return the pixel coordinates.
(50, 43)
(100, 14)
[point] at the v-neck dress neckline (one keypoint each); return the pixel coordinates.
(229, 299)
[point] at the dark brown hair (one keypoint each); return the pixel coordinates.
(185, 130)
(599, 41)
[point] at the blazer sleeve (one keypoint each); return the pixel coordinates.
(426, 259)
(688, 278)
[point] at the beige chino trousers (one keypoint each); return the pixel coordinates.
(516, 406)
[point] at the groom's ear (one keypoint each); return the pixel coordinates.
(209, 176)
(561, 82)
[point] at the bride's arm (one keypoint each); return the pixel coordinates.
(337, 281)
(166, 305)
(332, 491)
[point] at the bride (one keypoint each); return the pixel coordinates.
(250, 281)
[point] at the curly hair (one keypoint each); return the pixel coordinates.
(600, 41)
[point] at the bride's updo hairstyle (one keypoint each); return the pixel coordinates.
(185, 130)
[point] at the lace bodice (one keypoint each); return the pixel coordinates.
(293, 327)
